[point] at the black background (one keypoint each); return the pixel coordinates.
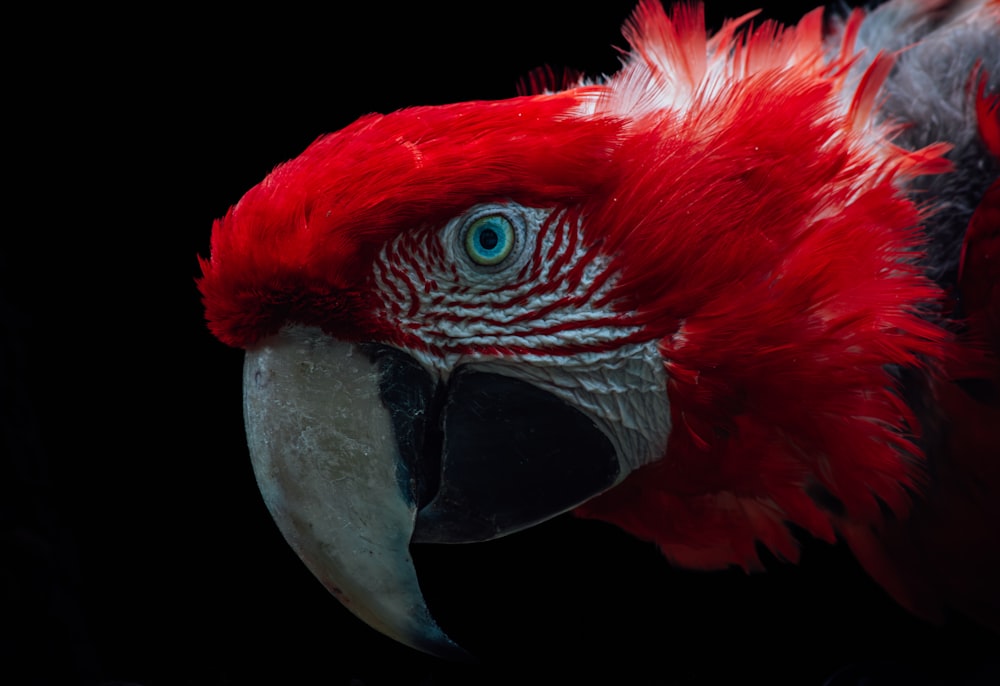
(135, 546)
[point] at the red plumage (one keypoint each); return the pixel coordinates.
(297, 246)
(777, 343)
(756, 213)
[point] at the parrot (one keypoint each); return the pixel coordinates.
(743, 290)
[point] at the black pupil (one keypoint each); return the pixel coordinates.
(488, 238)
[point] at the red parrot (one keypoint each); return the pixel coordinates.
(745, 288)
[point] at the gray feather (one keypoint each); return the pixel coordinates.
(930, 92)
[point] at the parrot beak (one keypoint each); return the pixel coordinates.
(324, 456)
(359, 451)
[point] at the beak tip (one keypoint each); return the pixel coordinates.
(447, 649)
(423, 633)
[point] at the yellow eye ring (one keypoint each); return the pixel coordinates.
(489, 240)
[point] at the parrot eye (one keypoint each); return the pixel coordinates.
(488, 242)
(490, 239)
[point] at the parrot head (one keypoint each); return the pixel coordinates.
(676, 300)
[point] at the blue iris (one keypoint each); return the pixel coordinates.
(490, 239)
